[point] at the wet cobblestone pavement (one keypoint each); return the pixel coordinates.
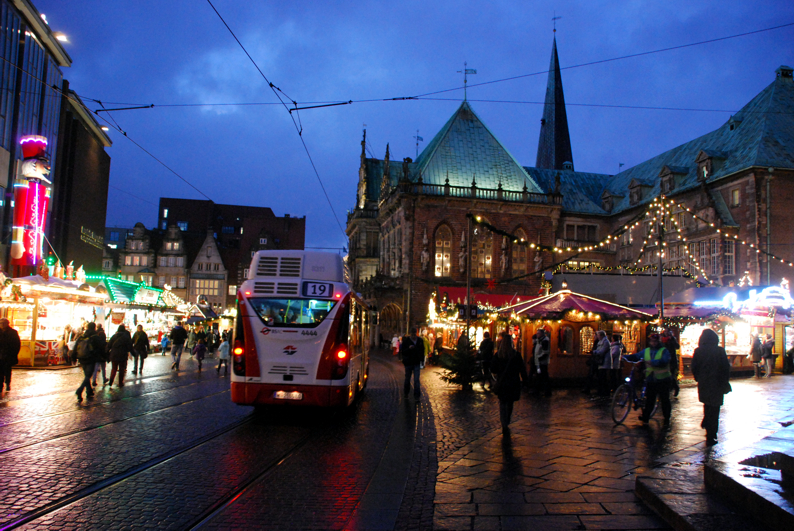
(170, 451)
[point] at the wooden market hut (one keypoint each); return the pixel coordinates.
(573, 320)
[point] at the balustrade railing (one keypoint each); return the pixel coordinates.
(475, 192)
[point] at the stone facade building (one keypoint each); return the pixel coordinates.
(409, 232)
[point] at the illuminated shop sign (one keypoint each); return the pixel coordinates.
(771, 297)
(30, 214)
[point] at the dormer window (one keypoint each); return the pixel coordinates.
(567, 166)
(709, 162)
(635, 192)
(607, 203)
(668, 184)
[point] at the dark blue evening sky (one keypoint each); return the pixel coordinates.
(178, 51)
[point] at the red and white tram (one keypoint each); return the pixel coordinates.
(301, 335)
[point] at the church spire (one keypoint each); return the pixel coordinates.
(554, 146)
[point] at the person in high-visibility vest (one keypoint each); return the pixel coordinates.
(658, 377)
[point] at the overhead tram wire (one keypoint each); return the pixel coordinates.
(81, 104)
(620, 58)
(298, 128)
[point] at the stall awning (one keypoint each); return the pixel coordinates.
(457, 295)
(124, 292)
(556, 305)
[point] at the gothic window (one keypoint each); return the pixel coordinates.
(519, 254)
(482, 252)
(443, 252)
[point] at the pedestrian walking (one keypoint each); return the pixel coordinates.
(657, 378)
(191, 339)
(9, 353)
(542, 357)
(603, 357)
(200, 351)
(508, 367)
(592, 368)
(616, 351)
(178, 337)
(671, 344)
(101, 364)
(90, 350)
(711, 370)
(756, 355)
(120, 348)
(788, 361)
(164, 343)
(769, 356)
(412, 351)
(485, 353)
(140, 349)
(223, 357)
(438, 345)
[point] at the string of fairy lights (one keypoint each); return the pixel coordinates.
(657, 212)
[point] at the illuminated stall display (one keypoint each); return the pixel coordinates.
(736, 314)
(31, 199)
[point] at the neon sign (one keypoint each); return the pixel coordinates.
(30, 214)
(771, 297)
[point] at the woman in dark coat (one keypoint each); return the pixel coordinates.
(508, 367)
(120, 347)
(711, 369)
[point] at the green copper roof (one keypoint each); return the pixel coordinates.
(465, 149)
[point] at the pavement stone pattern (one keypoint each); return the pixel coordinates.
(565, 464)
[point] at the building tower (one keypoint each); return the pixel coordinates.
(554, 146)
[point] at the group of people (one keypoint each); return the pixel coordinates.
(762, 355)
(199, 343)
(92, 351)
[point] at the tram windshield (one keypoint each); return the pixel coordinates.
(292, 313)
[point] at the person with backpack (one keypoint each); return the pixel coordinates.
(89, 349)
(178, 337)
(140, 349)
(120, 347)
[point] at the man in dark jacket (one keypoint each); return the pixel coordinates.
(120, 347)
(90, 350)
(9, 352)
(178, 337)
(412, 351)
(486, 356)
(140, 349)
(671, 344)
(711, 369)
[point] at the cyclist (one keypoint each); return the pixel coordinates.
(658, 377)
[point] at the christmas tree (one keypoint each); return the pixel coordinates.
(460, 366)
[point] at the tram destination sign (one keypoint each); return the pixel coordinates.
(318, 290)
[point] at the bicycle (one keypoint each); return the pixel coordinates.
(482, 376)
(626, 397)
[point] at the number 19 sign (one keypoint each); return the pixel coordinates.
(318, 289)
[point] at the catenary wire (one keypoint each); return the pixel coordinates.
(298, 127)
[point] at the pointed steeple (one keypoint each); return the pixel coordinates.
(554, 146)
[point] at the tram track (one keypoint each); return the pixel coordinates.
(118, 478)
(98, 426)
(95, 403)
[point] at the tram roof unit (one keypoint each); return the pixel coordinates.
(307, 265)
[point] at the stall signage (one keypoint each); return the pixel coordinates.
(147, 296)
(30, 214)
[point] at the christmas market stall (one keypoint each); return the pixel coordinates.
(133, 304)
(572, 320)
(447, 317)
(736, 314)
(40, 308)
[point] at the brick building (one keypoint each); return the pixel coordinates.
(409, 234)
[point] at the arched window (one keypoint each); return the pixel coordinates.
(566, 339)
(519, 254)
(443, 251)
(586, 339)
(481, 252)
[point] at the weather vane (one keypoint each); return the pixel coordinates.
(554, 20)
(418, 139)
(466, 72)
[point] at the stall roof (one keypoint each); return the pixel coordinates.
(125, 292)
(458, 295)
(557, 304)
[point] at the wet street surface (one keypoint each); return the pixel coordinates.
(171, 451)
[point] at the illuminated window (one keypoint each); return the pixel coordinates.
(262, 241)
(586, 339)
(169, 246)
(729, 260)
(181, 282)
(232, 289)
(735, 197)
(165, 212)
(127, 260)
(136, 260)
(180, 261)
(443, 252)
(519, 254)
(482, 252)
(161, 281)
(182, 225)
(176, 246)
(173, 282)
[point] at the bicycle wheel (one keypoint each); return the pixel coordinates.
(621, 404)
(655, 407)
